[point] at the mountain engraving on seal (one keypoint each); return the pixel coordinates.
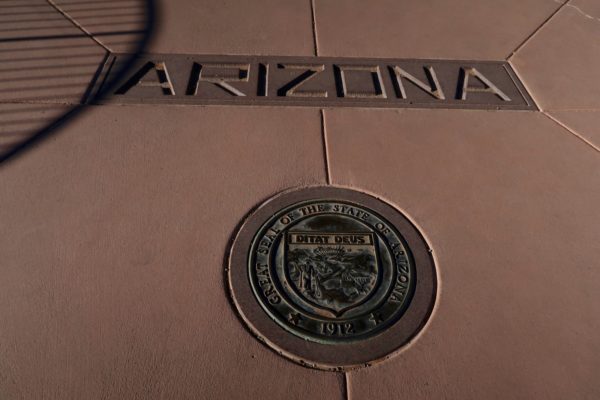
(332, 271)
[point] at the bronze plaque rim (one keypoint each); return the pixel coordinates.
(341, 356)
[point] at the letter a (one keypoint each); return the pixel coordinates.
(489, 86)
(163, 80)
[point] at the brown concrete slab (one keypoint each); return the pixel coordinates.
(118, 25)
(509, 205)
(43, 56)
(114, 239)
(486, 30)
(46, 63)
(47, 70)
(32, 19)
(234, 27)
(560, 65)
(18, 121)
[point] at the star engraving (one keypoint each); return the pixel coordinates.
(376, 318)
(294, 318)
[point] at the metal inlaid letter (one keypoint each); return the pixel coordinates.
(163, 80)
(290, 89)
(197, 76)
(375, 74)
(466, 73)
(434, 88)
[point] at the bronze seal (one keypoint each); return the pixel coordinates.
(334, 269)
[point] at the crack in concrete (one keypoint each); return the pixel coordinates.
(77, 25)
(579, 10)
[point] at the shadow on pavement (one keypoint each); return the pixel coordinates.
(54, 58)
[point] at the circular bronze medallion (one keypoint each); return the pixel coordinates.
(331, 277)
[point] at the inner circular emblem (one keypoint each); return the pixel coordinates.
(331, 271)
(332, 267)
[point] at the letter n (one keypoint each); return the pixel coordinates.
(434, 88)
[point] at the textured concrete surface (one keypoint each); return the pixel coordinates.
(464, 29)
(113, 255)
(116, 227)
(234, 27)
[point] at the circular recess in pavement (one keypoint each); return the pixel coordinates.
(331, 278)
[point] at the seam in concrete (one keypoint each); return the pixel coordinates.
(571, 131)
(314, 27)
(346, 386)
(343, 382)
(77, 25)
(528, 38)
(325, 148)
